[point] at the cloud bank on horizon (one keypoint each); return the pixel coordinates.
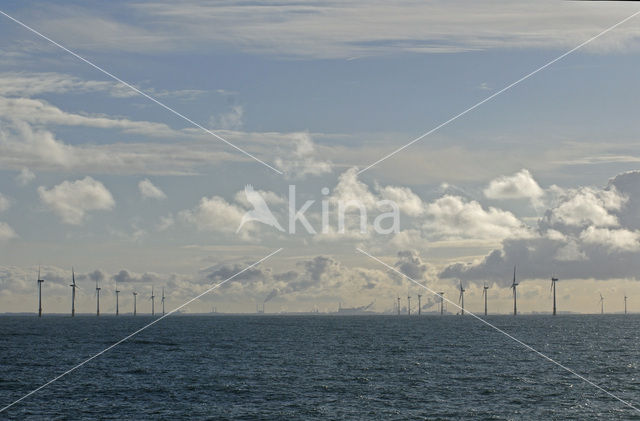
(93, 173)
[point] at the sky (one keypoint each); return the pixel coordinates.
(96, 176)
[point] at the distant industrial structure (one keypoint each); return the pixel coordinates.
(355, 310)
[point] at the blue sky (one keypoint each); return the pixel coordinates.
(317, 89)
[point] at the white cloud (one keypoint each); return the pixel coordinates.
(349, 188)
(71, 200)
(327, 30)
(588, 232)
(29, 84)
(214, 214)
(301, 161)
(586, 206)
(149, 191)
(408, 202)
(40, 112)
(25, 176)
(166, 222)
(5, 203)
(521, 185)
(233, 120)
(6, 232)
(452, 217)
(613, 239)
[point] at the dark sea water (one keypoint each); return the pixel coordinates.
(320, 367)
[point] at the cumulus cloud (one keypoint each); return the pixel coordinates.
(25, 176)
(301, 161)
(125, 277)
(588, 232)
(233, 120)
(520, 185)
(214, 214)
(410, 264)
(71, 200)
(586, 206)
(5, 203)
(6, 232)
(453, 217)
(149, 191)
(166, 222)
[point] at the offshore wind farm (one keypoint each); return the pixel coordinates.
(303, 210)
(435, 306)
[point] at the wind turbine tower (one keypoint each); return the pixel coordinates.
(97, 299)
(73, 293)
(117, 300)
(419, 304)
(484, 293)
(441, 294)
(409, 305)
(398, 306)
(40, 281)
(134, 302)
(514, 284)
(163, 301)
(153, 302)
(601, 304)
(553, 287)
(625, 303)
(461, 299)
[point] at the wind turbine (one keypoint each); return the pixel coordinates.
(398, 306)
(134, 302)
(441, 294)
(484, 293)
(97, 299)
(625, 303)
(163, 301)
(117, 300)
(409, 305)
(461, 298)
(419, 304)
(514, 284)
(601, 304)
(153, 302)
(553, 287)
(40, 281)
(73, 293)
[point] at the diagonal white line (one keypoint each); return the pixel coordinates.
(506, 88)
(149, 97)
(529, 347)
(137, 331)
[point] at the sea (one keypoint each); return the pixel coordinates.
(320, 367)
